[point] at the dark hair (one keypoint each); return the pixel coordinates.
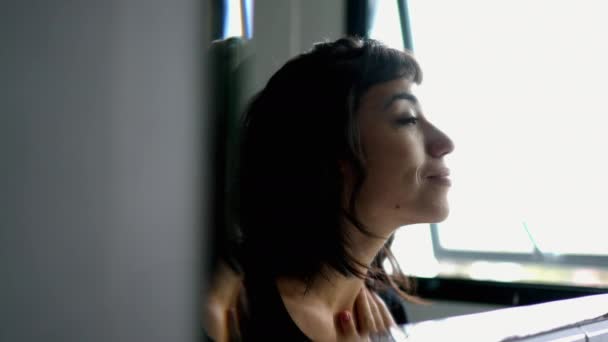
(295, 133)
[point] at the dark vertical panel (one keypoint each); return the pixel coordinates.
(358, 17)
(219, 11)
(227, 73)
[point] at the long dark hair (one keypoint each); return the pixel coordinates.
(296, 131)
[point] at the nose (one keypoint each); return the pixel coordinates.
(438, 144)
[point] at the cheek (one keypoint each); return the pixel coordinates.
(401, 158)
(393, 158)
(394, 172)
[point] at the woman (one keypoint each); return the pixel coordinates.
(224, 300)
(336, 155)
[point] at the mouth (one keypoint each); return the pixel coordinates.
(440, 177)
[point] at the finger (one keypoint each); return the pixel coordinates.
(347, 331)
(365, 318)
(346, 325)
(233, 325)
(378, 320)
(387, 317)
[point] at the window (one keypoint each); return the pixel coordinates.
(238, 18)
(519, 86)
(386, 24)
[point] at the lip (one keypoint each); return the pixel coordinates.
(439, 176)
(438, 173)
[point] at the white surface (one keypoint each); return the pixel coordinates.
(597, 332)
(513, 323)
(567, 335)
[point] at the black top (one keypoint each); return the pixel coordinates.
(269, 319)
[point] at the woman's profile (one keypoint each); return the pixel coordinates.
(336, 155)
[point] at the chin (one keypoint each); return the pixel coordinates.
(441, 215)
(435, 214)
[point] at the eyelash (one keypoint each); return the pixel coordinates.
(406, 121)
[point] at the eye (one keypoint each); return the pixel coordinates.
(406, 121)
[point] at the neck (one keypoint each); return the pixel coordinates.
(329, 288)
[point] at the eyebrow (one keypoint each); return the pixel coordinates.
(400, 96)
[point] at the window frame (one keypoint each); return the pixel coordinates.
(497, 292)
(442, 253)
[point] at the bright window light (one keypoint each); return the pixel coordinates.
(386, 25)
(520, 88)
(234, 26)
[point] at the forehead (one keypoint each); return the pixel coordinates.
(379, 96)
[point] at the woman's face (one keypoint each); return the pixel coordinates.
(407, 180)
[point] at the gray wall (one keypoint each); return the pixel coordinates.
(99, 146)
(286, 28)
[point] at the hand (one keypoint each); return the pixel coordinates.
(371, 318)
(224, 305)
